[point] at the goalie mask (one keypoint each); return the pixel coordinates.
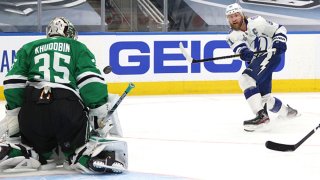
(61, 26)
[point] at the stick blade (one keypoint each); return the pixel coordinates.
(279, 147)
(185, 54)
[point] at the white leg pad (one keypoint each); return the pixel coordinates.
(116, 130)
(9, 124)
(18, 163)
(93, 149)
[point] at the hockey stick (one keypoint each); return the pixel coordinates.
(191, 60)
(289, 147)
(115, 106)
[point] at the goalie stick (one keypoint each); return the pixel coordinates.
(115, 106)
(191, 60)
(289, 147)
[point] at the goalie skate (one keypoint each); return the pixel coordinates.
(105, 163)
(259, 122)
(100, 156)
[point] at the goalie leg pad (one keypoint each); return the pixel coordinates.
(10, 124)
(18, 158)
(116, 130)
(102, 123)
(110, 156)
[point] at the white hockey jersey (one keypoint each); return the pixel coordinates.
(260, 35)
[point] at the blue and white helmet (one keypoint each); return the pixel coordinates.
(233, 8)
(61, 26)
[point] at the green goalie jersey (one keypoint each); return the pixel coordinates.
(58, 62)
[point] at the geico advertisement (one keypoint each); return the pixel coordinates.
(157, 57)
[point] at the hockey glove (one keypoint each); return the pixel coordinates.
(98, 120)
(10, 122)
(280, 47)
(246, 54)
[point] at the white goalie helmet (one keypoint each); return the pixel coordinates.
(61, 26)
(233, 8)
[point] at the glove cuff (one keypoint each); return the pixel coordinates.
(13, 112)
(279, 37)
(101, 111)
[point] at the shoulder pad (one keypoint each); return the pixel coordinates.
(235, 36)
(255, 19)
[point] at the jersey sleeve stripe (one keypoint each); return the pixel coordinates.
(14, 86)
(239, 47)
(90, 80)
(14, 81)
(279, 37)
(15, 77)
(81, 76)
(89, 77)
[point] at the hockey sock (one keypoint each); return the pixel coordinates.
(83, 159)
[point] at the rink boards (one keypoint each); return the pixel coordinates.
(155, 64)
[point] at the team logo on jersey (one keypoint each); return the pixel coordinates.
(245, 38)
(291, 4)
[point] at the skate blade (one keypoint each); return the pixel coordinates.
(117, 168)
(260, 127)
(288, 118)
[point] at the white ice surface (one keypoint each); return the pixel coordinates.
(202, 137)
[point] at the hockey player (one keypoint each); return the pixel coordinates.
(254, 34)
(54, 92)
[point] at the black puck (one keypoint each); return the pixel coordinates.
(107, 69)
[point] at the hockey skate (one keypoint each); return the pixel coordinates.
(105, 163)
(258, 122)
(99, 156)
(291, 113)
